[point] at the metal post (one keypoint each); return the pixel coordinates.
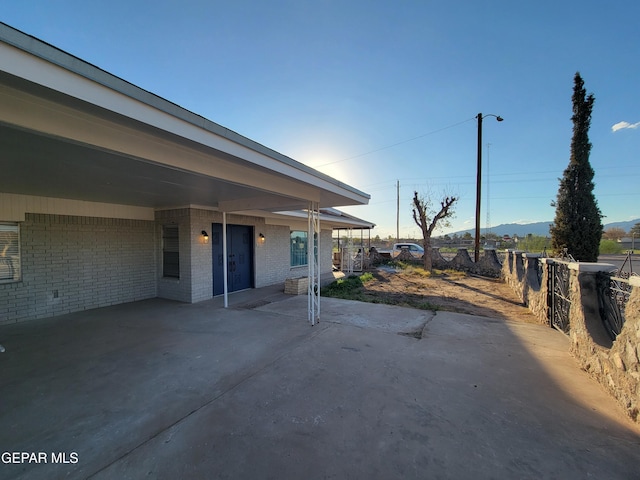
(313, 250)
(349, 250)
(225, 282)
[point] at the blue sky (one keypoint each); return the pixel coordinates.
(375, 92)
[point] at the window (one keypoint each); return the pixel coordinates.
(9, 253)
(298, 244)
(170, 251)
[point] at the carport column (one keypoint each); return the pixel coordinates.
(350, 250)
(313, 249)
(224, 260)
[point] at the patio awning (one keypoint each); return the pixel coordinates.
(71, 130)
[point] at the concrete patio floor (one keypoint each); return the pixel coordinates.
(158, 389)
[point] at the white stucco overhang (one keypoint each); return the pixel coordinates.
(329, 218)
(71, 130)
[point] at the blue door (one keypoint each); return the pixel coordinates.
(239, 257)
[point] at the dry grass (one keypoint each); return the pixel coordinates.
(450, 290)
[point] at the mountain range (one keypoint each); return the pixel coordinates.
(537, 228)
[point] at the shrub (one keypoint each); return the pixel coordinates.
(348, 287)
(366, 277)
(610, 247)
(418, 271)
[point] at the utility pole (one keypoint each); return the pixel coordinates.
(479, 181)
(476, 254)
(397, 211)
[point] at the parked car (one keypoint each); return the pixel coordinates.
(414, 249)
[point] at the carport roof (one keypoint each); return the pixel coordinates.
(332, 217)
(72, 130)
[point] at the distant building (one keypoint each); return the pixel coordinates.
(629, 243)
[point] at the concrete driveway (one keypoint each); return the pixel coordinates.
(158, 389)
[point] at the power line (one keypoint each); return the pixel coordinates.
(397, 143)
(524, 177)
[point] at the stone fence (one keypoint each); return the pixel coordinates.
(613, 363)
(488, 265)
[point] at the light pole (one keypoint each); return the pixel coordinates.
(479, 181)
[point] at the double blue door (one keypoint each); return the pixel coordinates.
(239, 258)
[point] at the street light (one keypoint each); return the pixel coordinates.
(479, 180)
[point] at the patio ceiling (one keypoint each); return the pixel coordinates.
(70, 130)
(39, 165)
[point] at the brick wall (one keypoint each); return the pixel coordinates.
(201, 273)
(72, 263)
(326, 248)
(273, 259)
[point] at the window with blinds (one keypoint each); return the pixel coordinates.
(170, 251)
(9, 252)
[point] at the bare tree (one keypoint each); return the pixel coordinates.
(614, 233)
(429, 220)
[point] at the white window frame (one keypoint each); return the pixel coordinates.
(10, 256)
(296, 252)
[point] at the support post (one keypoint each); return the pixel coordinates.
(313, 250)
(349, 250)
(225, 281)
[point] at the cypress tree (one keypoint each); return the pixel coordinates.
(577, 226)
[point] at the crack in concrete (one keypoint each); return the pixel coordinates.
(183, 418)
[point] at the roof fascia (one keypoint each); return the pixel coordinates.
(280, 218)
(182, 122)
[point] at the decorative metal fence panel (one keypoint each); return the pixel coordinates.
(613, 294)
(558, 299)
(352, 261)
(358, 261)
(626, 269)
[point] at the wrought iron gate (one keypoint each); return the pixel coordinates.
(614, 290)
(558, 296)
(613, 295)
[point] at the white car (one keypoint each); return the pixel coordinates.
(414, 249)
